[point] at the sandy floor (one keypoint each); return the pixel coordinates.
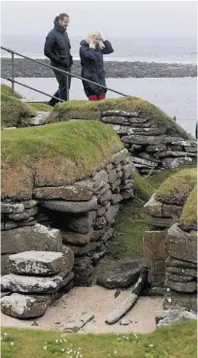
(101, 302)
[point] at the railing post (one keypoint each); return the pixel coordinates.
(13, 72)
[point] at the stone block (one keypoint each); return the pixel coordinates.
(70, 206)
(181, 245)
(70, 192)
(155, 245)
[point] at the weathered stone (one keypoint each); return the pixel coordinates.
(113, 176)
(116, 112)
(119, 273)
(112, 213)
(157, 267)
(125, 322)
(5, 293)
(182, 271)
(75, 238)
(70, 193)
(191, 149)
(144, 162)
(108, 234)
(171, 211)
(38, 120)
(29, 204)
(182, 245)
(5, 267)
(116, 198)
(81, 223)
(102, 190)
(32, 284)
(24, 215)
(109, 167)
(116, 120)
(170, 163)
(100, 179)
(9, 225)
(150, 131)
(8, 208)
(189, 287)
(121, 130)
(166, 317)
(97, 234)
(160, 222)
(23, 306)
(184, 143)
(84, 272)
(153, 207)
(177, 278)
(135, 147)
(37, 237)
(105, 197)
(155, 245)
(127, 194)
(120, 156)
(115, 184)
(84, 250)
(171, 153)
(127, 170)
(42, 263)
(101, 211)
(100, 222)
(71, 206)
(180, 263)
(178, 300)
(76, 322)
(148, 157)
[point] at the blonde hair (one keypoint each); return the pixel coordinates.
(97, 34)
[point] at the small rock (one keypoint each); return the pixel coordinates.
(125, 322)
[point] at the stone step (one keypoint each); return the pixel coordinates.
(34, 284)
(42, 263)
(24, 306)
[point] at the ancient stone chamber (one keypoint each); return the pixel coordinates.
(63, 183)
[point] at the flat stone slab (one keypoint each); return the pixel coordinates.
(182, 245)
(23, 307)
(118, 273)
(70, 192)
(43, 263)
(37, 237)
(71, 206)
(32, 284)
(77, 321)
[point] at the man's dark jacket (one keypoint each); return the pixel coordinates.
(57, 47)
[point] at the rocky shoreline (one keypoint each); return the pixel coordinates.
(114, 69)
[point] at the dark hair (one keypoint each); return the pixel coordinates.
(62, 15)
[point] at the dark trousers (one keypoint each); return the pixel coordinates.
(64, 82)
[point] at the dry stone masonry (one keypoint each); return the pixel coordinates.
(55, 240)
(150, 148)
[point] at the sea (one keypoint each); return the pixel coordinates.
(176, 96)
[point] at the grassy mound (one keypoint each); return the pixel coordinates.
(176, 189)
(54, 154)
(174, 341)
(189, 215)
(13, 110)
(93, 110)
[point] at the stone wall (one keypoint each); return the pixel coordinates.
(72, 221)
(170, 247)
(151, 150)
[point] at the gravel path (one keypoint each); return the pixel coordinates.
(100, 301)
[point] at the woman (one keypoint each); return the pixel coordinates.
(91, 55)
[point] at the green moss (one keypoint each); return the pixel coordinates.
(13, 110)
(177, 187)
(158, 178)
(93, 110)
(39, 107)
(189, 214)
(172, 341)
(54, 154)
(6, 90)
(74, 110)
(142, 188)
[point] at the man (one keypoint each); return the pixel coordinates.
(57, 49)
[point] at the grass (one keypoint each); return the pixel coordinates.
(87, 110)
(13, 109)
(69, 150)
(177, 187)
(189, 214)
(173, 341)
(132, 222)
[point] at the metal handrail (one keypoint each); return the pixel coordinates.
(67, 73)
